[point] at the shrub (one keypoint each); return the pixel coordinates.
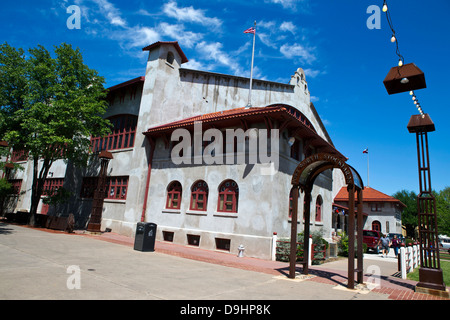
(343, 245)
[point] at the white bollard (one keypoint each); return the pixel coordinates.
(403, 262)
(274, 246)
(241, 251)
(310, 251)
(416, 256)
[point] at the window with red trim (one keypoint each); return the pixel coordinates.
(51, 186)
(376, 225)
(19, 155)
(376, 207)
(174, 191)
(122, 134)
(228, 197)
(16, 185)
(116, 188)
(199, 196)
(295, 150)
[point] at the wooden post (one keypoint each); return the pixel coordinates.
(307, 214)
(360, 252)
(294, 218)
(351, 237)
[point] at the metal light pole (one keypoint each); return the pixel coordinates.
(430, 272)
(99, 193)
(409, 78)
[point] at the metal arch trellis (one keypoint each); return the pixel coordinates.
(303, 179)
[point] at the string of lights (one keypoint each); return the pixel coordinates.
(401, 60)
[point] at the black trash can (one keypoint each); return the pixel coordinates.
(145, 236)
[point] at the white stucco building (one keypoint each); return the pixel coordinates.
(211, 205)
(381, 212)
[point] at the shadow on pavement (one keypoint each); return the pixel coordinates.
(4, 229)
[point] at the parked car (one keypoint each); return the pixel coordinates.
(371, 239)
(444, 242)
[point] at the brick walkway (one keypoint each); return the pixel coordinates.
(396, 288)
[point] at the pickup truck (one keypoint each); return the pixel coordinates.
(371, 238)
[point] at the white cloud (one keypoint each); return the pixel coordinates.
(110, 12)
(213, 51)
(178, 32)
(266, 39)
(296, 50)
(189, 14)
(287, 4)
(195, 65)
(144, 12)
(288, 26)
(140, 36)
(311, 73)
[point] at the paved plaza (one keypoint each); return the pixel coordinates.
(38, 264)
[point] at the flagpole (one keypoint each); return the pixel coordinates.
(368, 184)
(251, 71)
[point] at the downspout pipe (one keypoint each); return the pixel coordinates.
(149, 173)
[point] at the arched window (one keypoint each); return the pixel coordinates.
(228, 196)
(376, 225)
(199, 196)
(174, 191)
(319, 203)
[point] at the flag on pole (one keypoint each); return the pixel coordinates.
(366, 150)
(250, 30)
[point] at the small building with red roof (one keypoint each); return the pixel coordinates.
(381, 211)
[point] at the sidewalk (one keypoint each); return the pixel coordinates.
(34, 264)
(333, 273)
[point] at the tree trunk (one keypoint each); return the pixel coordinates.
(37, 187)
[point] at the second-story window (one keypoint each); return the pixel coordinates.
(121, 137)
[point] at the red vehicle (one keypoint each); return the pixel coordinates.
(371, 239)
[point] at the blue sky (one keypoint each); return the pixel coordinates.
(345, 61)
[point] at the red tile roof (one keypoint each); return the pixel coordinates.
(279, 111)
(214, 116)
(126, 83)
(369, 195)
(174, 43)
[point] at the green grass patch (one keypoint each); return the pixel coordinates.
(445, 266)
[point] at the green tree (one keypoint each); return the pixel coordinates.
(50, 107)
(443, 211)
(409, 214)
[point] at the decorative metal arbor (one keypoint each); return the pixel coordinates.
(99, 193)
(303, 179)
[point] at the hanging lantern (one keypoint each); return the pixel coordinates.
(420, 123)
(404, 78)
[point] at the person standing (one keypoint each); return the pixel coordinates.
(395, 244)
(385, 242)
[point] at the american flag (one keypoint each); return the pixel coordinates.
(366, 150)
(250, 30)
